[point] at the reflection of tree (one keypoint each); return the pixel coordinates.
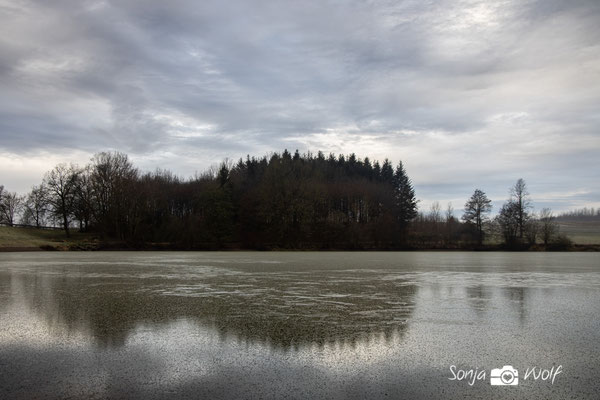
(281, 309)
(479, 297)
(518, 298)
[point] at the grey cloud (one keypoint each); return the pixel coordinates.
(159, 79)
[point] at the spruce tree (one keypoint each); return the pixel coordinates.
(405, 200)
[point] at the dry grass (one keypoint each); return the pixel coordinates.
(35, 238)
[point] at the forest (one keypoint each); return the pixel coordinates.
(279, 201)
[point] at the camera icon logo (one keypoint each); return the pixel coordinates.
(505, 376)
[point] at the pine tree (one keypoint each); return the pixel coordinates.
(405, 200)
(476, 210)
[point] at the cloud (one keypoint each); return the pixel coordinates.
(468, 93)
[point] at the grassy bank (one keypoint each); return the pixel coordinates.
(30, 239)
(585, 238)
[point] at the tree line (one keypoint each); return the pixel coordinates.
(516, 223)
(279, 201)
(283, 200)
(581, 214)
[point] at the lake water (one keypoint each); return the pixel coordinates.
(297, 325)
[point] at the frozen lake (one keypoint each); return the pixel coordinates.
(297, 324)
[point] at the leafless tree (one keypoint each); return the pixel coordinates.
(549, 227)
(450, 221)
(532, 229)
(83, 206)
(36, 206)
(61, 185)
(520, 196)
(10, 207)
(449, 212)
(436, 212)
(113, 181)
(2, 192)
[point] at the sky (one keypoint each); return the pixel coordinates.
(468, 94)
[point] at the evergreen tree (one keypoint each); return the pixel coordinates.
(404, 194)
(476, 210)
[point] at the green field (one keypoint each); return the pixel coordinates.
(31, 238)
(581, 232)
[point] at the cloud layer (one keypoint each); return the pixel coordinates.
(467, 93)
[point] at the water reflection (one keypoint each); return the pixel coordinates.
(479, 298)
(280, 309)
(354, 325)
(517, 297)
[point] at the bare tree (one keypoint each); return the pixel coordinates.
(549, 227)
(450, 221)
(520, 196)
(113, 180)
(532, 229)
(436, 212)
(2, 193)
(61, 184)
(36, 206)
(449, 212)
(432, 221)
(83, 203)
(476, 213)
(10, 206)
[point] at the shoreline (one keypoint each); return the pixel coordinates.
(154, 247)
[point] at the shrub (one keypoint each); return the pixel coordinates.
(561, 242)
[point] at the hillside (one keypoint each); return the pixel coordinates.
(581, 231)
(28, 239)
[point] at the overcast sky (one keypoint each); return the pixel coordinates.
(468, 94)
